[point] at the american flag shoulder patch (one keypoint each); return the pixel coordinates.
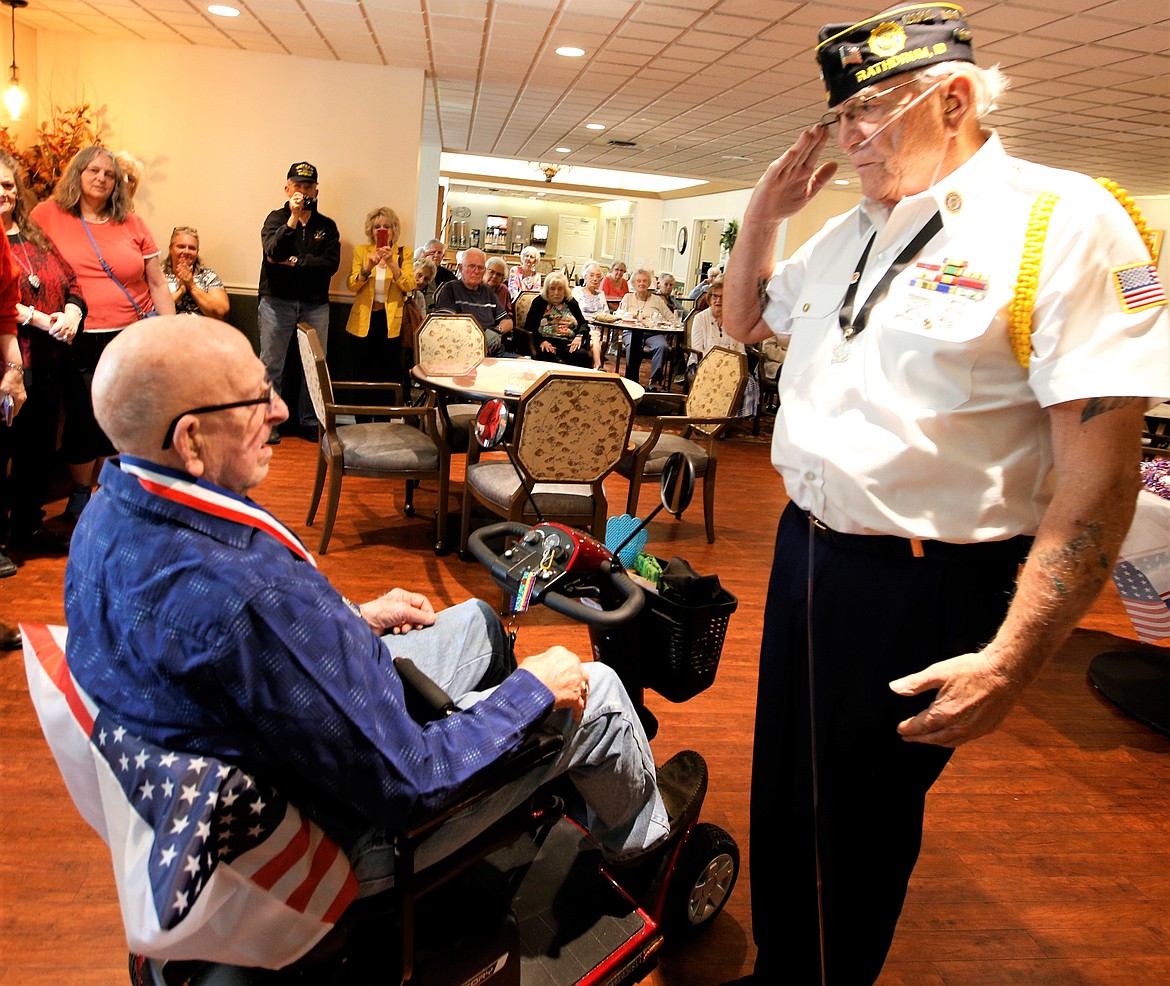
(1138, 287)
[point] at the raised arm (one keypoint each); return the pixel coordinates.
(1095, 445)
(783, 190)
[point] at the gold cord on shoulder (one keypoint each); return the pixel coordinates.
(1130, 206)
(1024, 299)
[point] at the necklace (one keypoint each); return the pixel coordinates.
(34, 282)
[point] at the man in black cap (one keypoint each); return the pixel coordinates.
(302, 250)
(972, 348)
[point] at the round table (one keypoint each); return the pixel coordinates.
(503, 378)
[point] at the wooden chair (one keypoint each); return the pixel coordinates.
(525, 344)
(771, 358)
(684, 350)
(570, 432)
(447, 338)
(708, 409)
(387, 449)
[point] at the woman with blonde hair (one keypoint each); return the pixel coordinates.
(556, 320)
(381, 277)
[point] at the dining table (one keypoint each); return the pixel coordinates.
(498, 377)
(674, 331)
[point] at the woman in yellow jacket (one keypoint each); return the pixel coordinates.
(381, 278)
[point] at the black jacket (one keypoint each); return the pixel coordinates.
(317, 247)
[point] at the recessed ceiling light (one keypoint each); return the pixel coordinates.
(540, 195)
(223, 10)
(841, 181)
(595, 126)
(571, 52)
(564, 150)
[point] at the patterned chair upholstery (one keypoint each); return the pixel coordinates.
(714, 396)
(451, 339)
(571, 430)
(525, 344)
(445, 338)
(385, 449)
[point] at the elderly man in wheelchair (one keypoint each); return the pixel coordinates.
(207, 657)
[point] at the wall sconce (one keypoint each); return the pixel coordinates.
(15, 96)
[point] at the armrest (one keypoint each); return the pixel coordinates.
(380, 412)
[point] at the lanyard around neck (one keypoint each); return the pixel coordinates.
(852, 325)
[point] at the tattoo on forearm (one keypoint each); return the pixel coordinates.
(762, 292)
(1062, 562)
(1099, 405)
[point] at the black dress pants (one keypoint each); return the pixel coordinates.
(874, 618)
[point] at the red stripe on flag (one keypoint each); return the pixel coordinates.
(284, 860)
(343, 899)
(52, 659)
(323, 858)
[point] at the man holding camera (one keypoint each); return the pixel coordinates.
(302, 250)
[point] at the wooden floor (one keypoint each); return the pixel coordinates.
(1047, 846)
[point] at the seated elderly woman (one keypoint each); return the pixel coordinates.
(424, 284)
(592, 301)
(707, 333)
(614, 284)
(646, 307)
(525, 277)
(556, 320)
(196, 289)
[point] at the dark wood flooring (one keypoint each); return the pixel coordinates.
(1047, 845)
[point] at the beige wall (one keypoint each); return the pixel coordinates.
(218, 129)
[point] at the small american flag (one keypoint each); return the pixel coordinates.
(1138, 287)
(1147, 609)
(209, 864)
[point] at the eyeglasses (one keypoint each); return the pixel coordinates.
(474, 267)
(189, 230)
(268, 398)
(862, 109)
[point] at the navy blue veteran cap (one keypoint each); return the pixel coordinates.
(901, 39)
(302, 171)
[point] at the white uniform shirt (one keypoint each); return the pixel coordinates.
(930, 428)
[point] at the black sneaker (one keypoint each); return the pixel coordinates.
(7, 566)
(273, 436)
(39, 541)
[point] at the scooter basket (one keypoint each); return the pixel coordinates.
(682, 644)
(670, 646)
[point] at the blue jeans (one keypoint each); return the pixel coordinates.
(278, 318)
(606, 754)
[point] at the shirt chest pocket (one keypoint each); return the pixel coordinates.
(814, 324)
(926, 347)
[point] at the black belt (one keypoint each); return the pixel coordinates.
(1015, 548)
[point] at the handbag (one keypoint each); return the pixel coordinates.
(412, 318)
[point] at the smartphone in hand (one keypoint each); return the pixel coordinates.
(381, 238)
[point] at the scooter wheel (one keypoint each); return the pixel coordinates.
(703, 880)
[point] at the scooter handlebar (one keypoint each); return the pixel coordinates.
(624, 587)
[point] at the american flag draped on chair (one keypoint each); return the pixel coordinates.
(209, 864)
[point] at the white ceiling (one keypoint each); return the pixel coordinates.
(697, 84)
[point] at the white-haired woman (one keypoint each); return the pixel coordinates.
(557, 321)
(525, 277)
(592, 301)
